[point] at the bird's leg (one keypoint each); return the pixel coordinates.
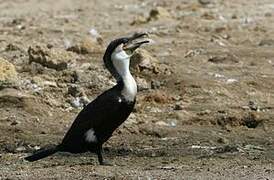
(100, 157)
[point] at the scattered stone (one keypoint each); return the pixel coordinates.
(36, 148)
(234, 16)
(8, 74)
(250, 147)
(57, 59)
(253, 106)
(267, 42)
(231, 80)
(12, 47)
(205, 2)
(84, 100)
(203, 113)
(155, 84)
(208, 16)
(74, 90)
(20, 149)
(156, 131)
(223, 140)
(142, 84)
(172, 122)
(75, 102)
(158, 13)
(30, 85)
(228, 58)
(178, 107)
(15, 122)
(194, 52)
(14, 97)
(251, 120)
(49, 83)
(220, 29)
(96, 36)
(268, 14)
(139, 20)
(155, 110)
(86, 46)
(161, 123)
(142, 59)
(43, 83)
(158, 97)
(79, 102)
(131, 119)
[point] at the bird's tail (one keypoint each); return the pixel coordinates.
(40, 154)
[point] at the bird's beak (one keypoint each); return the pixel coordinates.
(135, 42)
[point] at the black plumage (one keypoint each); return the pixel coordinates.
(102, 116)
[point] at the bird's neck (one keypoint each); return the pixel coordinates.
(121, 62)
(129, 90)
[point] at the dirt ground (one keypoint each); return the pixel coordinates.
(205, 106)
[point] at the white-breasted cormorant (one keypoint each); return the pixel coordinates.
(97, 121)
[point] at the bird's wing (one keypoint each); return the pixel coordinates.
(94, 115)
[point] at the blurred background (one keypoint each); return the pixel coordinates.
(206, 87)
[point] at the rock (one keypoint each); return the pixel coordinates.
(158, 97)
(172, 122)
(223, 140)
(86, 46)
(139, 20)
(205, 2)
(8, 74)
(178, 107)
(161, 123)
(20, 149)
(253, 106)
(141, 60)
(75, 90)
(251, 120)
(267, 42)
(14, 97)
(15, 122)
(131, 119)
(95, 35)
(79, 102)
(231, 80)
(155, 131)
(12, 47)
(43, 83)
(142, 84)
(158, 13)
(27, 84)
(84, 100)
(75, 102)
(225, 59)
(155, 84)
(250, 147)
(57, 59)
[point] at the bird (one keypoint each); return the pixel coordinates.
(97, 121)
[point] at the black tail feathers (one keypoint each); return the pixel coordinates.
(40, 154)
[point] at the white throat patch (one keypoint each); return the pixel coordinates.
(121, 60)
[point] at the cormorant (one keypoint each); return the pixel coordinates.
(97, 121)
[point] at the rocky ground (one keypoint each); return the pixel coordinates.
(206, 87)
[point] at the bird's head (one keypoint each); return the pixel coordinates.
(119, 51)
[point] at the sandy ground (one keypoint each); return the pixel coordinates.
(204, 109)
